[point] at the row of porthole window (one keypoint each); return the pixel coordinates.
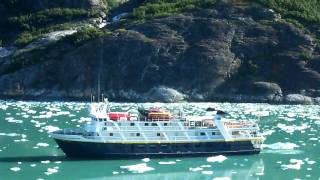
(159, 134)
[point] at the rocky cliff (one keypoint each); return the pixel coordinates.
(230, 51)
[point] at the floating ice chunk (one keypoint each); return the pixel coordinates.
(291, 114)
(195, 169)
(260, 113)
(295, 164)
(313, 139)
(221, 178)
(51, 171)
(15, 169)
(42, 144)
(9, 134)
(62, 113)
(25, 116)
(291, 129)
(309, 161)
(178, 160)
(12, 120)
(33, 165)
(219, 158)
(50, 128)
(115, 172)
(19, 162)
(31, 111)
(207, 172)
(45, 162)
(168, 162)
(268, 132)
(138, 168)
(145, 159)
(206, 166)
(280, 146)
(57, 162)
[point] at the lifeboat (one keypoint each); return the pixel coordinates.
(116, 116)
(155, 114)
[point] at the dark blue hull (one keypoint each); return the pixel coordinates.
(74, 149)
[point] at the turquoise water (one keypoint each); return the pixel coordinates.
(291, 150)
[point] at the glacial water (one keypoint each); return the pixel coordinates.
(291, 149)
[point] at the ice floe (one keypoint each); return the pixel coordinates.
(207, 172)
(45, 162)
(42, 144)
(219, 158)
(196, 169)
(52, 170)
(138, 168)
(280, 146)
(295, 164)
(15, 169)
(291, 129)
(50, 128)
(221, 178)
(12, 120)
(145, 159)
(166, 162)
(205, 166)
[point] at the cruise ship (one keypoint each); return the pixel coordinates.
(156, 132)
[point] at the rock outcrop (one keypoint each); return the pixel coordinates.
(225, 53)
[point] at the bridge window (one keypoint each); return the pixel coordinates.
(213, 133)
(146, 124)
(138, 134)
(158, 134)
(154, 124)
(202, 134)
(131, 124)
(165, 124)
(111, 134)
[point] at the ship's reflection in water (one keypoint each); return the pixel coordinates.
(189, 168)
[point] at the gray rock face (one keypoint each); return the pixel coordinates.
(164, 94)
(225, 53)
(298, 99)
(317, 100)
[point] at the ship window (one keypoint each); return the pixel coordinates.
(213, 133)
(154, 124)
(152, 146)
(202, 134)
(138, 134)
(104, 128)
(198, 123)
(165, 124)
(131, 124)
(158, 134)
(146, 124)
(111, 134)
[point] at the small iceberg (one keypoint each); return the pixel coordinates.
(295, 164)
(280, 146)
(15, 169)
(42, 144)
(219, 158)
(166, 163)
(138, 168)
